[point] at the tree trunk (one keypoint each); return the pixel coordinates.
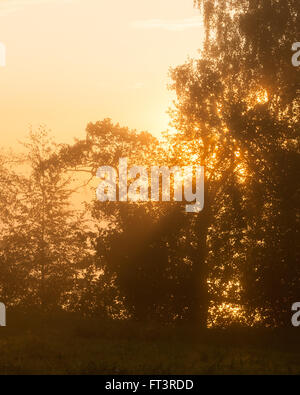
(200, 303)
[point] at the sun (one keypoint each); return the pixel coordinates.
(262, 96)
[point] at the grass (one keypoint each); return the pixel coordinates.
(73, 345)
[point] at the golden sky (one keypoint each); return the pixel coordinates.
(69, 62)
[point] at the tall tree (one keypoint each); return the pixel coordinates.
(227, 104)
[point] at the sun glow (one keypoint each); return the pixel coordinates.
(262, 96)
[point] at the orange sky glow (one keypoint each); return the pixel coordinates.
(70, 62)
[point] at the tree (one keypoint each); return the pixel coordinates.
(12, 272)
(227, 104)
(44, 241)
(140, 249)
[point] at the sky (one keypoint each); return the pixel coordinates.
(70, 62)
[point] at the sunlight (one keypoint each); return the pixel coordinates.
(262, 96)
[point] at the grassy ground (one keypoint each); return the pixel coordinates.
(69, 345)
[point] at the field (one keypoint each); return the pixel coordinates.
(73, 345)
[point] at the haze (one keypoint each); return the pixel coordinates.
(72, 62)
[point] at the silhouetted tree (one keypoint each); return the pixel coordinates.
(44, 241)
(230, 95)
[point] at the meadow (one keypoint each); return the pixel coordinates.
(68, 345)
